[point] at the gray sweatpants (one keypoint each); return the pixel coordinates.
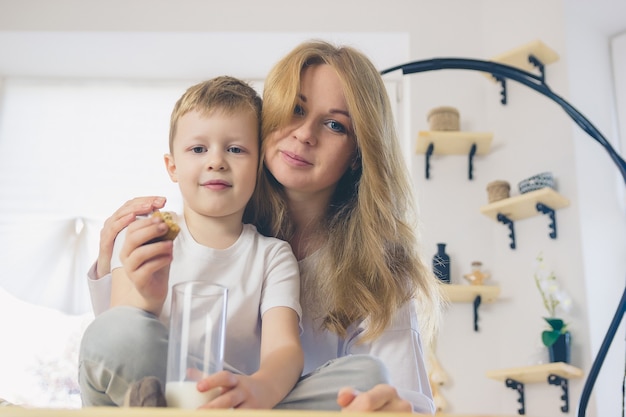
(125, 344)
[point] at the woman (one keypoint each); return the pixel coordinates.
(333, 184)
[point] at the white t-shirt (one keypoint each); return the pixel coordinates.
(399, 347)
(259, 272)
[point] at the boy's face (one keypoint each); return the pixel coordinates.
(214, 161)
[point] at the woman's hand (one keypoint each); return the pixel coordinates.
(237, 391)
(380, 398)
(119, 220)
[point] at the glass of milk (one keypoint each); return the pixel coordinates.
(196, 342)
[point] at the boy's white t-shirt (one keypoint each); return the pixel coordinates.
(260, 273)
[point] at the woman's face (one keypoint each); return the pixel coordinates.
(311, 153)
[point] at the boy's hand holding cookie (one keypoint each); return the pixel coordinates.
(146, 256)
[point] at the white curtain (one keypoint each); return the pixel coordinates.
(71, 152)
(45, 260)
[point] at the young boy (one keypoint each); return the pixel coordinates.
(214, 157)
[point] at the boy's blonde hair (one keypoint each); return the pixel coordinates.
(369, 265)
(224, 93)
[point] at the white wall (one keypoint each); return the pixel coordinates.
(600, 194)
(618, 59)
(618, 66)
(531, 134)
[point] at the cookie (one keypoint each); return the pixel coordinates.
(173, 228)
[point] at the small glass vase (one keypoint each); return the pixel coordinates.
(441, 263)
(561, 350)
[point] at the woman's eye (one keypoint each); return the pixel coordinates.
(336, 126)
(298, 110)
(198, 149)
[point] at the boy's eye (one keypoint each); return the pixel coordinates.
(198, 149)
(235, 149)
(336, 126)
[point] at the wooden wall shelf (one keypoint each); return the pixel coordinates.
(475, 294)
(457, 293)
(545, 200)
(536, 373)
(518, 57)
(523, 206)
(557, 373)
(453, 143)
(534, 55)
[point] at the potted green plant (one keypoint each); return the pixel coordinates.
(557, 338)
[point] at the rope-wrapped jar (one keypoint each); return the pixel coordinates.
(498, 190)
(443, 118)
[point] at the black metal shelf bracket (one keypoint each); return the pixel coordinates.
(429, 153)
(503, 219)
(550, 212)
(471, 161)
(562, 382)
(502, 82)
(519, 387)
(477, 302)
(539, 65)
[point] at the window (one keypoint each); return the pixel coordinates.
(71, 152)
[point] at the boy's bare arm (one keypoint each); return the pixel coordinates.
(282, 358)
(281, 364)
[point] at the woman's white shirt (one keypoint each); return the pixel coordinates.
(399, 348)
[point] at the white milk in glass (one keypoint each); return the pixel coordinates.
(185, 394)
(196, 342)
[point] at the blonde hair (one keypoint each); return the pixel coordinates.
(225, 93)
(369, 264)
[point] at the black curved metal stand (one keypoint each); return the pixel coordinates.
(501, 72)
